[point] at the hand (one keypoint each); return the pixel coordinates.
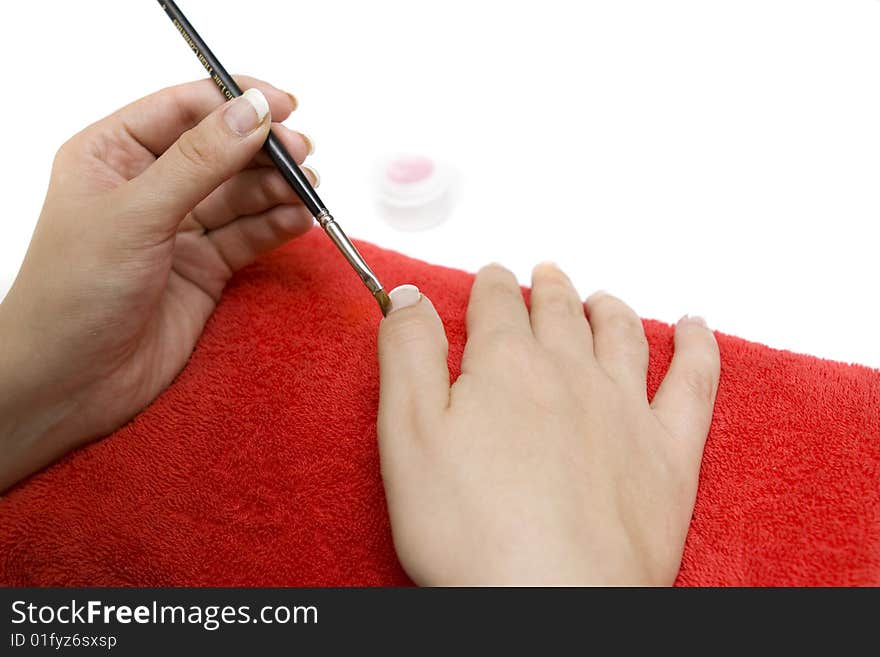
(149, 213)
(544, 462)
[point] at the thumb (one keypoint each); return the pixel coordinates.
(200, 160)
(414, 379)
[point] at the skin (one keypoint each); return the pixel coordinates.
(543, 464)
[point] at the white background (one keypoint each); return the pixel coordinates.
(696, 156)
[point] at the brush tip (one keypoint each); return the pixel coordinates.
(384, 301)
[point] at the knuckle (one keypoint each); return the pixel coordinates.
(553, 289)
(194, 149)
(623, 321)
(561, 301)
(502, 288)
(180, 97)
(270, 185)
(501, 344)
(555, 305)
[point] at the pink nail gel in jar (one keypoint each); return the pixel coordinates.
(409, 170)
(414, 191)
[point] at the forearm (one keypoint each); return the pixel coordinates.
(33, 425)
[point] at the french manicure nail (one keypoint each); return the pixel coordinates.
(695, 319)
(404, 296)
(246, 113)
(310, 145)
(293, 100)
(315, 176)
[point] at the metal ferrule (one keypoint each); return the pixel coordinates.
(348, 250)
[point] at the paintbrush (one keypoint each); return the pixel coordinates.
(281, 158)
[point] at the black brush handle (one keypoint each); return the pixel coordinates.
(273, 147)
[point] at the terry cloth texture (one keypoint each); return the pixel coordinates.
(259, 465)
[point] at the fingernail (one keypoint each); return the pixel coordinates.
(694, 319)
(246, 113)
(547, 264)
(404, 296)
(293, 100)
(314, 176)
(597, 295)
(310, 145)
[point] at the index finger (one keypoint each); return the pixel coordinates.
(158, 120)
(496, 305)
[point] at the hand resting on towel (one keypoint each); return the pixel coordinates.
(544, 462)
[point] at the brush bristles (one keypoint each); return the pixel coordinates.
(384, 301)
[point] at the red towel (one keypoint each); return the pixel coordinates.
(259, 465)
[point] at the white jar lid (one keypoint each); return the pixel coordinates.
(414, 191)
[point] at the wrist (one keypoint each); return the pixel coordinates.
(31, 422)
